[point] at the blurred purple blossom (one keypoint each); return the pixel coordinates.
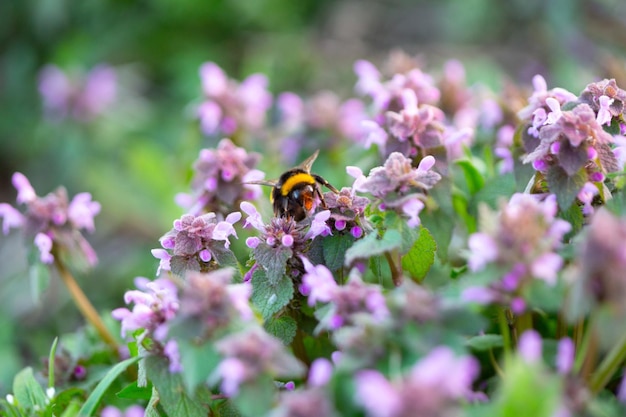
(81, 98)
(231, 107)
(155, 305)
(53, 221)
(221, 180)
(436, 385)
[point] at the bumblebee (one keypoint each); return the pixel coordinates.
(294, 193)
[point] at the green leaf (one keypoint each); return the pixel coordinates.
(572, 158)
(255, 398)
(283, 328)
(420, 258)
(171, 390)
(518, 393)
(90, 405)
(225, 258)
(565, 187)
(371, 246)
(51, 355)
(485, 342)
(151, 408)
(496, 188)
(135, 392)
(474, 179)
(198, 361)
(27, 391)
(270, 297)
(273, 260)
(334, 249)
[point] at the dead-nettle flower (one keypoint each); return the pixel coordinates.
(605, 98)
(82, 98)
(436, 386)
(398, 185)
(196, 243)
(521, 240)
(53, 221)
(155, 306)
(230, 106)
(347, 211)
(602, 260)
(250, 354)
(221, 180)
(132, 411)
(214, 300)
(308, 402)
(355, 297)
(574, 140)
(542, 103)
(282, 240)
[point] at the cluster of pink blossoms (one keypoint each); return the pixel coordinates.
(52, 221)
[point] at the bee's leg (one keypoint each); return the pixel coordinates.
(325, 183)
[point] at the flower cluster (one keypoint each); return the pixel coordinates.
(80, 98)
(250, 355)
(435, 386)
(566, 138)
(282, 241)
(521, 242)
(155, 306)
(196, 243)
(347, 212)
(230, 107)
(398, 185)
(323, 116)
(346, 301)
(212, 300)
(53, 221)
(222, 179)
(415, 114)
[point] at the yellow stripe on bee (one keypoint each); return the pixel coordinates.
(294, 180)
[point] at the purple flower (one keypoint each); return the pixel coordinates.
(436, 385)
(529, 346)
(82, 210)
(320, 372)
(53, 221)
(319, 282)
(250, 354)
(44, 244)
(155, 304)
(604, 113)
(565, 356)
(132, 411)
(319, 226)
(221, 180)
(173, 355)
(10, 218)
(483, 250)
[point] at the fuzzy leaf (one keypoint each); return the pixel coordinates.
(564, 186)
(371, 246)
(420, 258)
(273, 260)
(283, 328)
(255, 398)
(179, 265)
(334, 249)
(270, 297)
(28, 392)
(198, 362)
(171, 390)
(572, 158)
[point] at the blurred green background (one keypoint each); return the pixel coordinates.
(138, 156)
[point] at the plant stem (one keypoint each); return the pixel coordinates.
(505, 331)
(523, 322)
(84, 305)
(396, 275)
(608, 366)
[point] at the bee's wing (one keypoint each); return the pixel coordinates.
(307, 164)
(269, 183)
